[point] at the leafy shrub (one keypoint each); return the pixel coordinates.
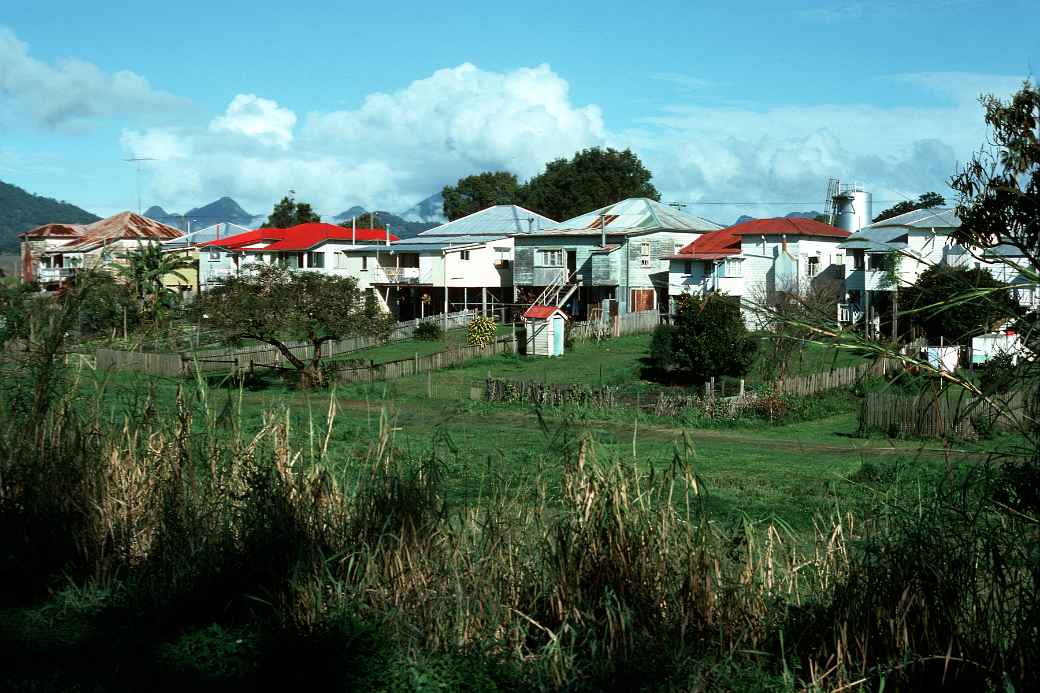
(481, 331)
(428, 331)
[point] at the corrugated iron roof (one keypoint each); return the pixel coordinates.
(634, 215)
(204, 235)
(57, 230)
(787, 226)
(499, 220)
(122, 226)
(296, 238)
(932, 217)
(877, 239)
(543, 312)
(710, 246)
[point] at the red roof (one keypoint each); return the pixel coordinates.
(543, 312)
(790, 226)
(299, 237)
(712, 246)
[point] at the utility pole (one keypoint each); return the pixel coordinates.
(137, 160)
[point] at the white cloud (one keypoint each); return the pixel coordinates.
(71, 93)
(393, 150)
(786, 153)
(258, 118)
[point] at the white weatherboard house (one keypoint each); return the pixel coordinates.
(759, 260)
(894, 252)
(312, 247)
(463, 264)
(614, 254)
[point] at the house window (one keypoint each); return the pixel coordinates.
(464, 255)
(678, 247)
(364, 263)
(731, 267)
(812, 266)
(688, 267)
(857, 259)
(341, 261)
(552, 258)
(839, 260)
(316, 260)
(878, 262)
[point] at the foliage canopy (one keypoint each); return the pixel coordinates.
(956, 303)
(288, 212)
(275, 306)
(474, 193)
(925, 201)
(707, 338)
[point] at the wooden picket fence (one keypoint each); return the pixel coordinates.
(402, 368)
(932, 415)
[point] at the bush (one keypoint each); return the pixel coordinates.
(707, 339)
(481, 331)
(428, 331)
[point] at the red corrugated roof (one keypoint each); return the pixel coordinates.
(713, 245)
(543, 312)
(299, 237)
(791, 226)
(122, 226)
(56, 230)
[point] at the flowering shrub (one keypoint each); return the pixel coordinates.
(481, 331)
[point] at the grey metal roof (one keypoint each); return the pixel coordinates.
(210, 233)
(933, 217)
(423, 245)
(876, 238)
(497, 221)
(632, 216)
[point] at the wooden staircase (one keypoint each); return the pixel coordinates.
(559, 291)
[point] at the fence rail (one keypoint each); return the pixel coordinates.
(933, 415)
(402, 368)
(615, 326)
(173, 364)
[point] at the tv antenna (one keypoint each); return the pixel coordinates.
(679, 206)
(137, 160)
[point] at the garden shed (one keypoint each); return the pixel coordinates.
(546, 327)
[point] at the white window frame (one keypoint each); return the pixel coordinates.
(550, 257)
(733, 267)
(812, 262)
(314, 254)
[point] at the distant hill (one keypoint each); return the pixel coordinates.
(354, 211)
(801, 215)
(430, 210)
(220, 211)
(398, 226)
(21, 211)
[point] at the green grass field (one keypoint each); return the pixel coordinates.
(793, 473)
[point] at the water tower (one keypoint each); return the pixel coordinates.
(849, 205)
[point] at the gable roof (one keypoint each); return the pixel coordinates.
(543, 312)
(710, 246)
(788, 226)
(497, 220)
(118, 227)
(212, 232)
(633, 215)
(56, 230)
(296, 238)
(928, 218)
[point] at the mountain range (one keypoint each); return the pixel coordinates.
(224, 210)
(21, 210)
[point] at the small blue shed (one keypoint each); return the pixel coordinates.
(546, 327)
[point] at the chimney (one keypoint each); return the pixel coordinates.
(388, 234)
(603, 229)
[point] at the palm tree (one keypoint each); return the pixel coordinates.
(143, 271)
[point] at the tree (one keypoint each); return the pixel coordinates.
(275, 305)
(474, 193)
(144, 271)
(707, 338)
(925, 201)
(956, 303)
(288, 212)
(999, 190)
(593, 178)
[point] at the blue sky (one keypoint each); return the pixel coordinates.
(381, 104)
